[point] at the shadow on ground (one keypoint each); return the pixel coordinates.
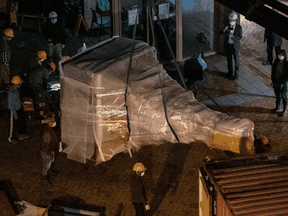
(173, 168)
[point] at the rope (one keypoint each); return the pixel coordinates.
(129, 71)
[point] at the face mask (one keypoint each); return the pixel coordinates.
(54, 124)
(53, 21)
(280, 57)
(142, 173)
(232, 23)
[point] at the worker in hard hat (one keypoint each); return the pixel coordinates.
(54, 33)
(49, 147)
(262, 145)
(38, 60)
(18, 128)
(37, 80)
(5, 58)
(139, 199)
(233, 35)
(34, 62)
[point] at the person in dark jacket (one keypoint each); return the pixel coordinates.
(279, 76)
(54, 32)
(138, 195)
(273, 40)
(5, 57)
(233, 35)
(37, 81)
(49, 147)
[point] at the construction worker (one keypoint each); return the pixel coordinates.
(5, 58)
(262, 145)
(37, 80)
(34, 62)
(54, 33)
(49, 147)
(17, 120)
(139, 199)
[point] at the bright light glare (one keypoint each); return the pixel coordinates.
(55, 87)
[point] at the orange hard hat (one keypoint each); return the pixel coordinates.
(16, 80)
(139, 167)
(264, 140)
(53, 66)
(9, 32)
(42, 55)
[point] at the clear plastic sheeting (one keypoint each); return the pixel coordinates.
(94, 114)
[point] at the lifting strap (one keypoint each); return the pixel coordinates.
(162, 92)
(129, 71)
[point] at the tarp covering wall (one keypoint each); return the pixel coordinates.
(94, 115)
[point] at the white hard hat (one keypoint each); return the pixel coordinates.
(52, 15)
(232, 16)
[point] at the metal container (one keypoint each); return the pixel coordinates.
(252, 185)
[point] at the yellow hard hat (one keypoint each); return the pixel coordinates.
(139, 167)
(264, 140)
(9, 32)
(53, 66)
(16, 80)
(42, 55)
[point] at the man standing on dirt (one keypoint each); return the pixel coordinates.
(138, 194)
(273, 40)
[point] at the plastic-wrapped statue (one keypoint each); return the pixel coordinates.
(98, 110)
